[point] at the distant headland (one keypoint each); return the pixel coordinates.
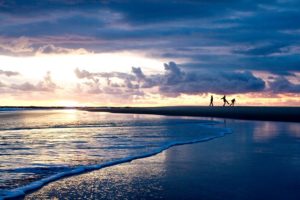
(290, 114)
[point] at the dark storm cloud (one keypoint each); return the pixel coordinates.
(176, 82)
(224, 35)
(263, 50)
(277, 61)
(283, 85)
(137, 71)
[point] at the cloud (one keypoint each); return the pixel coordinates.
(100, 82)
(46, 85)
(24, 46)
(281, 84)
(82, 74)
(2, 84)
(8, 73)
(204, 35)
(263, 50)
(20, 45)
(52, 49)
(138, 73)
(174, 82)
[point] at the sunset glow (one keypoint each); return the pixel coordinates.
(72, 58)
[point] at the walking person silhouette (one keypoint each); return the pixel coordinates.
(232, 102)
(225, 100)
(211, 100)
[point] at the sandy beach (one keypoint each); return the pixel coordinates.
(259, 160)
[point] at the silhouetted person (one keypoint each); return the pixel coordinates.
(225, 100)
(232, 102)
(211, 100)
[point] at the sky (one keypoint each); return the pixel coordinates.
(149, 53)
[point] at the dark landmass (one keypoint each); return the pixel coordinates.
(291, 114)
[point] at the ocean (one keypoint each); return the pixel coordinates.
(40, 146)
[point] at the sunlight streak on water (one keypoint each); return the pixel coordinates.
(39, 144)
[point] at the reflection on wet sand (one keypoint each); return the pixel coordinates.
(266, 131)
(233, 167)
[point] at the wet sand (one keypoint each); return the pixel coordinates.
(259, 160)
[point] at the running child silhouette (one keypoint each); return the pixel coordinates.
(225, 100)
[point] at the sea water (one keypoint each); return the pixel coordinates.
(40, 146)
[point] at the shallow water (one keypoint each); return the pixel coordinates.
(35, 145)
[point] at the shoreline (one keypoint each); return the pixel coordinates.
(239, 166)
(288, 114)
(22, 191)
